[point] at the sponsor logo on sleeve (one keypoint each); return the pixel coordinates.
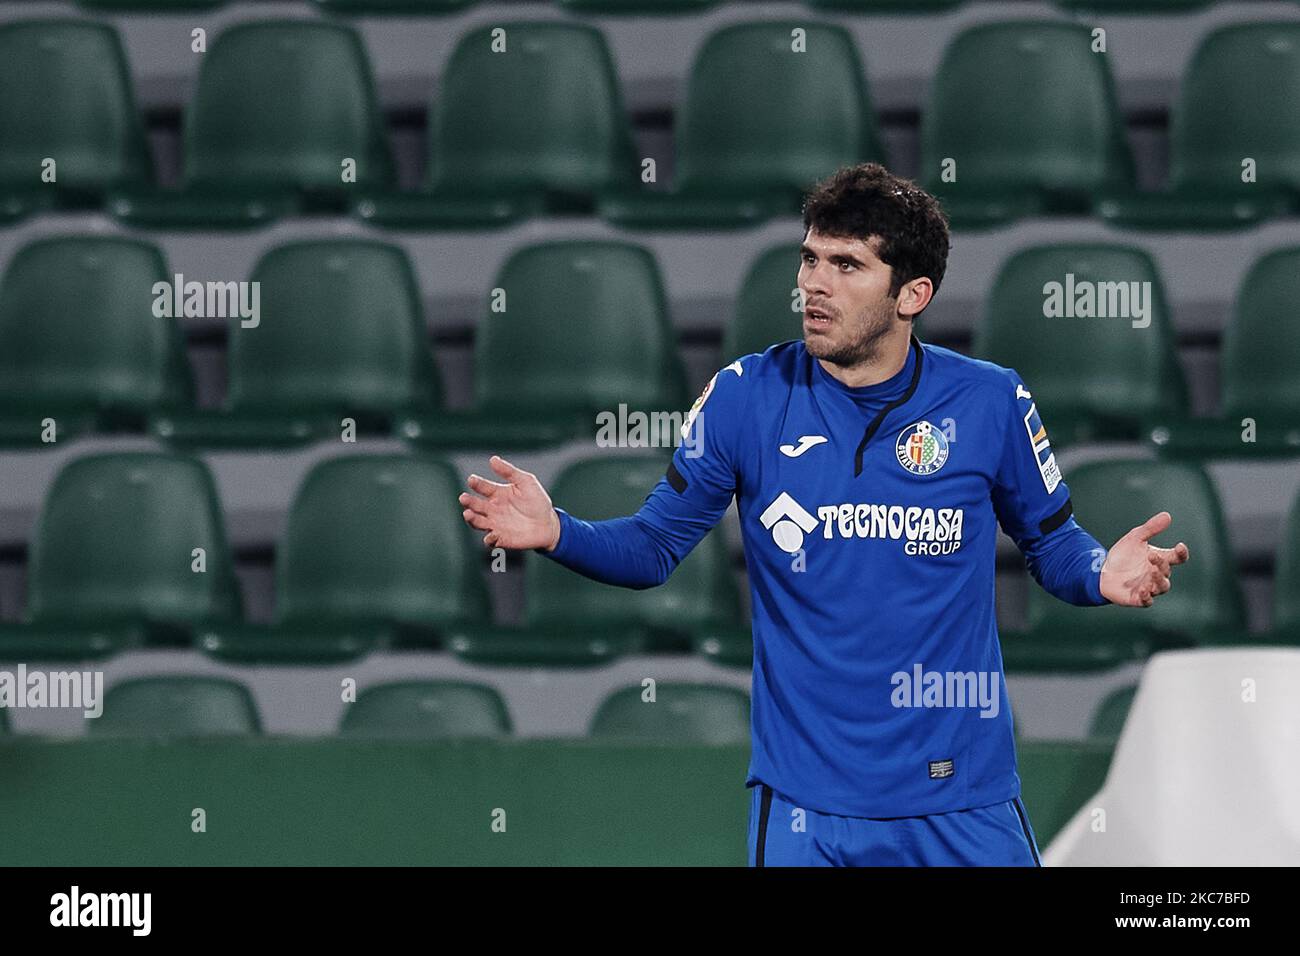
(1047, 467)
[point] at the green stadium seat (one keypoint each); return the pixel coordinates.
(403, 8)
(79, 343)
(1058, 778)
(679, 713)
(571, 620)
(4, 721)
(537, 128)
(375, 555)
(426, 710)
(1094, 374)
(1286, 583)
(1237, 100)
(113, 560)
(150, 6)
(1028, 114)
(65, 94)
(638, 7)
(1258, 362)
(893, 7)
(1205, 607)
(767, 307)
(750, 147)
(279, 107)
(583, 327)
(177, 707)
(341, 335)
(1135, 7)
(1108, 719)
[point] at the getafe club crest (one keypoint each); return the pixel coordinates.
(922, 448)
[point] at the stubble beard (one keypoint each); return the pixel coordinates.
(863, 349)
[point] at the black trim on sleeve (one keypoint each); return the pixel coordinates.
(1050, 524)
(675, 478)
(880, 416)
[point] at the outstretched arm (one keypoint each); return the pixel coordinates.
(637, 551)
(641, 549)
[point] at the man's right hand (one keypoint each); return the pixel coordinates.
(516, 513)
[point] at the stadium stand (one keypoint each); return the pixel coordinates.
(1233, 113)
(129, 551)
(91, 130)
(528, 120)
(1258, 358)
(339, 335)
(572, 328)
(278, 110)
(375, 555)
(498, 275)
(1105, 373)
(426, 710)
(177, 707)
(80, 349)
(695, 713)
(1022, 120)
(748, 144)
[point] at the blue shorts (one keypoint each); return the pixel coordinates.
(783, 834)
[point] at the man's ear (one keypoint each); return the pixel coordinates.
(914, 297)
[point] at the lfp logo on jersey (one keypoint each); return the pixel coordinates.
(922, 448)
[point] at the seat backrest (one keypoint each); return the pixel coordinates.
(767, 308)
(284, 104)
(426, 710)
(1024, 104)
(679, 713)
(117, 538)
(380, 537)
(77, 327)
(1088, 328)
(1237, 102)
(1286, 578)
(1261, 343)
(531, 106)
(341, 327)
(580, 325)
(1108, 719)
(177, 707)
(65, 94)
(747, 122)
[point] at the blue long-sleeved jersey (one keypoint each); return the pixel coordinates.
(869, 518)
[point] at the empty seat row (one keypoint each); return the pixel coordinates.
(130, 551)
(638, 7)
(1022, 120)
(677, 712)
(572, 329)
(577, 328)
(187, 706)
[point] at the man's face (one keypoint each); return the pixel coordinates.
(847, 305)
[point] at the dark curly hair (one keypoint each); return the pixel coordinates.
(858, 202)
